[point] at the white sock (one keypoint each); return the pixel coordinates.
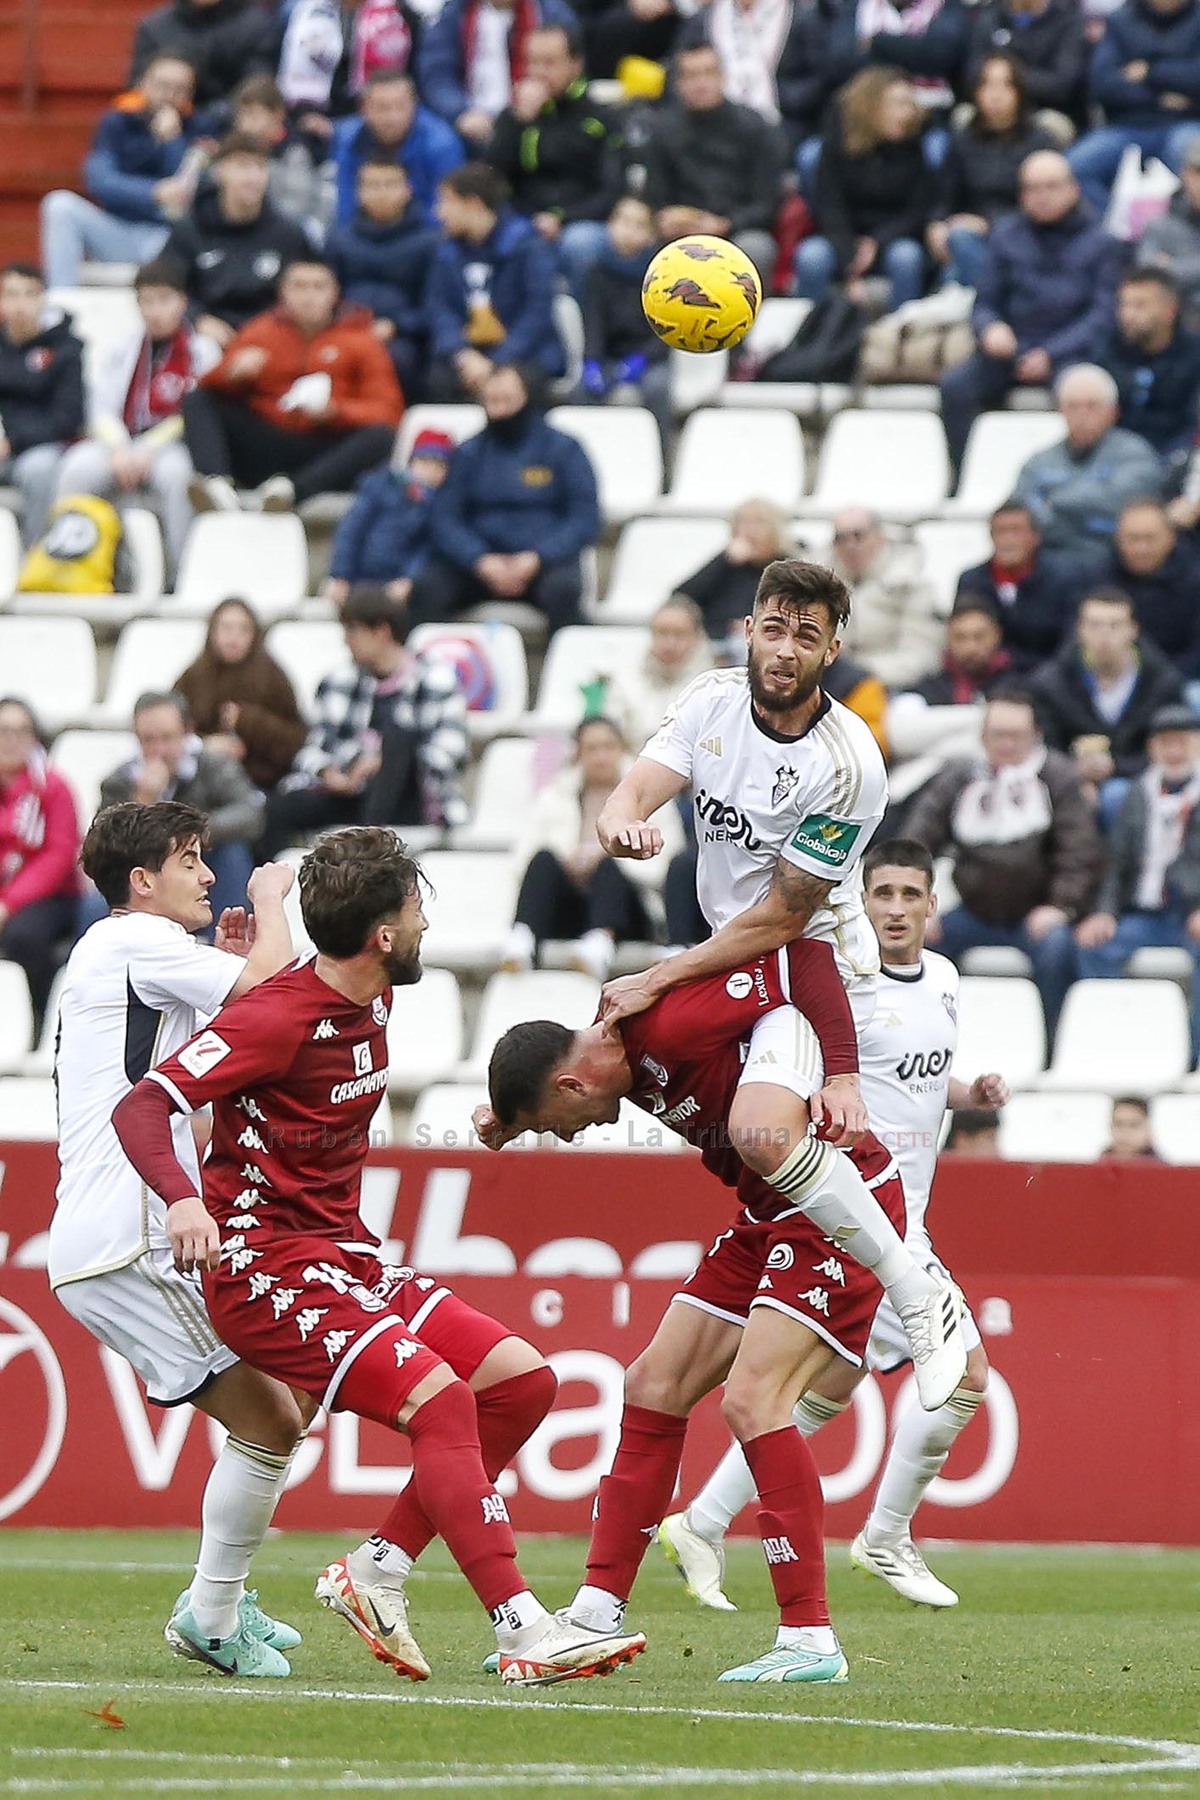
(818, 1640)
(730, 1487)
(829, 1190)
(519, 1621)
(598, 1609)
(378, 1557)
(239, 1499)
(919, 1449)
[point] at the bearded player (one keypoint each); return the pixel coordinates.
(787, 787)
(774, 1303)
(292, 1276)
(905, 1053)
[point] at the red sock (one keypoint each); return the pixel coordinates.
(792, 1522)
(634, 1497)
(457, 1497)
(507, 1415)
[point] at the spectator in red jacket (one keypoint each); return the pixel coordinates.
(39, 844)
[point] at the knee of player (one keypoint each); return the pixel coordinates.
(281, 1425)
(757, 1133)
(652, 1388)
(743, 1411)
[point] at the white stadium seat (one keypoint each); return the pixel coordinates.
(565, 996)
(441, 1117)
(504, 792)
(40, 1060)
(425, 1032)
(10, 553)
(458, 421)
(471, 912)
(726, 455)
(652, 559)
(1054, 1127)
(150, 656)
(949, 547)
(51, 665)
(307, 650)
(696, 380)
(85, 758)
(1001, 1027)
(999, 446)
(101, 317)
(894, 462)
(1121, 1037)
(1175, 1127)
(16, 1018)
(258, 557)
(143, 534)
(579, 654)
(503, 649)
(625, 450)
(28, 1109)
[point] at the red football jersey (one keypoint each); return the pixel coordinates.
(688, 1050)
(294, 1072)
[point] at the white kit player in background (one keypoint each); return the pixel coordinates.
(138, 985)
(905, 1055)
(787, 787)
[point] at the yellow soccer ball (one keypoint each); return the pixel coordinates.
(701, 294)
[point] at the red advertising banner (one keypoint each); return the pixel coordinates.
(1085, 1283)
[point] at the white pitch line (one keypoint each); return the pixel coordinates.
(102, 1566)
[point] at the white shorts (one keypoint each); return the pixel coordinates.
(156, 1319)
(888, 1348)
(784, 1050)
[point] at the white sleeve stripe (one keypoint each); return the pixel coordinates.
(785, 973)
(183, 1105)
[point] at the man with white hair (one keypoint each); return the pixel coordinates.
(1076, 489)
(1046, 295)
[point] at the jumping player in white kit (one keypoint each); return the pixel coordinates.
(787, 787)
(905, 1054)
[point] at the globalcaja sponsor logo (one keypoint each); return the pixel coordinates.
(723, 824)
(826, 840)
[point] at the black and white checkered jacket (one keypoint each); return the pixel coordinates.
(429, 702)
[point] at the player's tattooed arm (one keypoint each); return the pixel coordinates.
(797, 893)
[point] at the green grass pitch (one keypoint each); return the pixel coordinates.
(1062, 1671)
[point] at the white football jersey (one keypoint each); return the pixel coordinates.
(904, 1056)
(814, 800)
(134, 987)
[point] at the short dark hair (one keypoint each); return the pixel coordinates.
(1013, 696)
(144, 702)
(379, 159)
(371, 606)
(597, 718)
(26, 270)
(794, 583)
(478, 181)
(1012, 505)
(349, 881)
(974, 603)
(30, 715)
(315, 261)
(571, 35)
(259, 90)
(1106, 596)
(131, 836)
(239, 143)
(1138, 1100)
(522, 1063)
(387, 78)
(1151, 277)
(161, 271)
(898, 853)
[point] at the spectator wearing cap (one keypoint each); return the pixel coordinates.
(1150, 895)
(383, 541)
(381, 258)
(392, 125)
(517, 511)
(1097, 698)
(1030, 590)
(223, 40)
(1145, 74)
(1159, 568)
(1172, 241)
(39, 845)
(303, 402)
(1155, 363)
(1076, 489)
(471, 54)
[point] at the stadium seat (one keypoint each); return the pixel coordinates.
(502, 650)
(1175, 1127)
(1054, 1127)
(726, 455)
(949, 547)
(696, 380)
(50, 664)
(261, 557)
(143, 534)
(1121, 1037)
(16, 1018)
(441, 1117)
(1003, 960)
(895, 462)
(998, 447)
(10, 553)
(424, 1032)
(307, 650)
(567, 997)
(150, 656)
(107, 613)
(625, 450)
(652, 558)
(28, 1109)
(476, 895)
(568, 323)
(580, 654)
(1000, 1027)
(84, 758)
(101, 316)
(459, 421)
(40, 1060)
(504, 792)
(780, 318)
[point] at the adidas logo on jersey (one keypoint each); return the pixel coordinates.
(325, 1030)
(712, 745)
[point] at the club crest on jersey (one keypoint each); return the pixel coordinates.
(655, 1069)
(785, 782)
(379, 1011)
(951, 1008)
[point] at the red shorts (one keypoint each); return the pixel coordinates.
(789, 1265)
(342, 1326)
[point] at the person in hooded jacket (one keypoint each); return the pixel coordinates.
(233, 244)
(384, 540)
(382, 260)
(224, 40)
(41, 391)
(242, 703)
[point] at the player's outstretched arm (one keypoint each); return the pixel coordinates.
(781, 915)
(271, 945)
(623, 826)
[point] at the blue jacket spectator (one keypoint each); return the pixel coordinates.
(1146, 76)
(517, 512)
(132, 176)
(382, 261)
(393, 124)
(491, 288)
(1075, 489)
(453, 61)
(384, 540)
(1154, 362)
